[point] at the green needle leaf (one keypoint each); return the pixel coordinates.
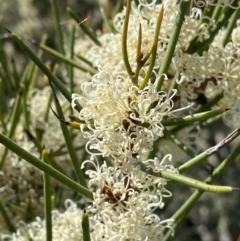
(7, 219)
(85, 227)
(187, 205)
(124, 41)
(47, 199)
(69, 144)
(195, 183)
(63, 58)
(192, 118)
(56, 18)
(14, 121)
(188, 181)
(44, 167)
(183, 8)
(45, 70)
(201, 157)
(84, 28)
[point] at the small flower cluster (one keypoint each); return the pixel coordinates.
(21, 184)
(114, 111)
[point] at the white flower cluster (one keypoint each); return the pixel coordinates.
(213, 72)
(66, 226)
(115, 110)
(114, 225)
(122, 121)
(21, 184)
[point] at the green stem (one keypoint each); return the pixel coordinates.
(208, 12)
(57, 25)
(66, 60)
(84, 28)
(217, 13)
(201, 157)
(139, 55)
(72, 40)
(203, 109)
(109, 26)
(85, 227)
(3, 103)
(46, 115)
(200, 47)
(192, 118)
(195, 183)
(14, 121)
(26, 109)
(184, 209)
(230, 27)
(18, 210)
(118, 7)
(26, 74)
(61, 152)
(54, 164)
(33, 139)
(177, 142)
(45, 70)
(47, 199)
(173, 84)
(124, 41)
(7, 219)
(154, 50)
(28, 210)
(183, 8)
(152, 154)
(16, 114)
(5, 72)
(69, 144)
(44, 167)
(86, 61)
(189, 181)
(35, 74)
(15, 74)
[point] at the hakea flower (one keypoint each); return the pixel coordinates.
(121, 120)
(66, 226)
(227, 75)
(109, 57)
(199, 73)
(105, 226)
(110, 178)
(127, 200)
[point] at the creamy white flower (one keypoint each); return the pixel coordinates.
(108, 225)
(124, 202)
(122, 121)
